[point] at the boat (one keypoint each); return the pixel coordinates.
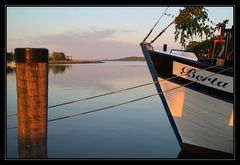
(197, 95)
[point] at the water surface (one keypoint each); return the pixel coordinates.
(136, 130)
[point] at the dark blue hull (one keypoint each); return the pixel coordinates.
(163, 64)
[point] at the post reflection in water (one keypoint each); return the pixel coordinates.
(32, 103)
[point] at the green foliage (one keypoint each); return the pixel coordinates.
(58, 56)
(10, 56)
(192, 22)
(200, 48)
(221, 24)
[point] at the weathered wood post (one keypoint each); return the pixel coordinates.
(164, 47)
(32, 101)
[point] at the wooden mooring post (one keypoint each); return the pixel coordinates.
(32, 101)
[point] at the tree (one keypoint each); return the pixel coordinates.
(221, 24)
(200, 48)
(191, 21)
(58, 56)
(10, 56)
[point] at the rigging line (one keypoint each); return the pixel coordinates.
(120, 90)
(127, 102)
(162, 32)
(154, 25)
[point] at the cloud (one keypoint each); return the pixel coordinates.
(92, 44)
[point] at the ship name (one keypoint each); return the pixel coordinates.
(194, 74)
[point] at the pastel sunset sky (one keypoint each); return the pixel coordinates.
(95, 32)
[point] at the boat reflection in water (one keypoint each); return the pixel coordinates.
(230, 123)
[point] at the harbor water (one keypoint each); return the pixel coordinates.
(136, 130)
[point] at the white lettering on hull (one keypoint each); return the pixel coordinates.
(217, 81)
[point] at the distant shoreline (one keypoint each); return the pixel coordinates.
(75, 62)
(131, 58)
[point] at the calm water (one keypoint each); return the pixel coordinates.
(136, 130)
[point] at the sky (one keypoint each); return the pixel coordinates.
(95, 32)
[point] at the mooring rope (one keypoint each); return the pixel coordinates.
(118, 91)
(105, 94)
(138, 99)
(127, 102)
